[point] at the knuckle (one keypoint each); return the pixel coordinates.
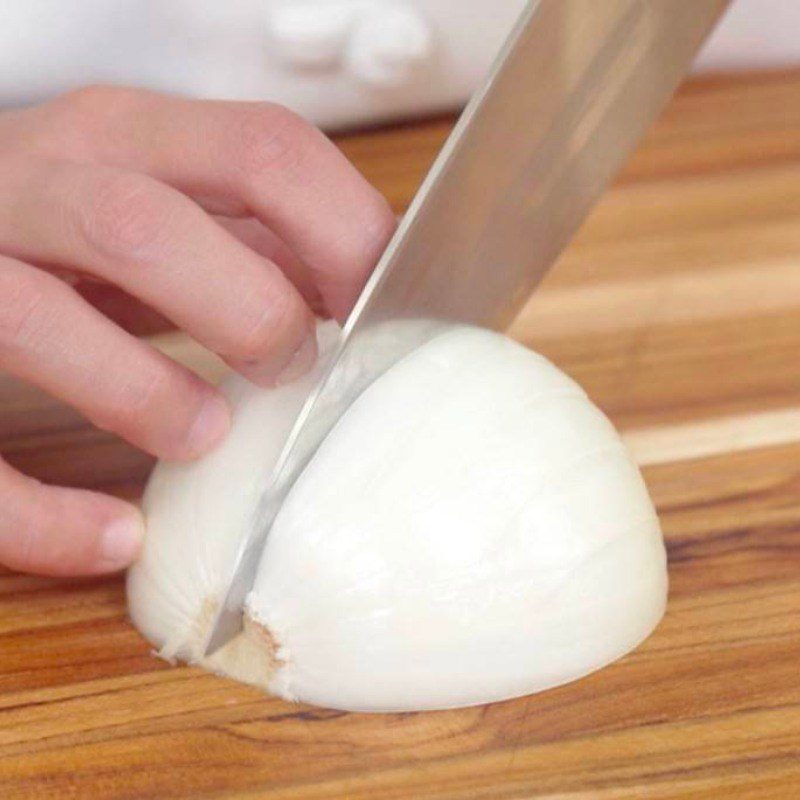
(270, 137)
(74, 122)
(88, 103)
(136, 401)
(124, 216)
(357, 249)
(88, 98)
(78, 124)
(261, 330)
(25, 312)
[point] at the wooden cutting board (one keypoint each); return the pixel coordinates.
(678, 309)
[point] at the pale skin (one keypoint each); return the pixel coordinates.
(233, 220)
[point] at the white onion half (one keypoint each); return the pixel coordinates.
(472, 529)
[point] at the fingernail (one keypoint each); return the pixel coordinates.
(209, 427)
(121, 542)
(300, 363)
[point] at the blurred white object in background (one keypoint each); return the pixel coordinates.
(338, 62)
(754, 34)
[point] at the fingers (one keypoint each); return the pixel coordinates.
(264, 242)
(243, 159)
(50, 530)
(161, 247)
(135, 317)
(53, 338)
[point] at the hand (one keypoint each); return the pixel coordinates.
(228, 218)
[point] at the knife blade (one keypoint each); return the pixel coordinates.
(572, 91)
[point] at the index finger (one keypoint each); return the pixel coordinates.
(254, 159)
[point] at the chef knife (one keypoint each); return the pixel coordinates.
(571, 93)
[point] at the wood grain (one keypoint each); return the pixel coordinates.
(678, 308)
